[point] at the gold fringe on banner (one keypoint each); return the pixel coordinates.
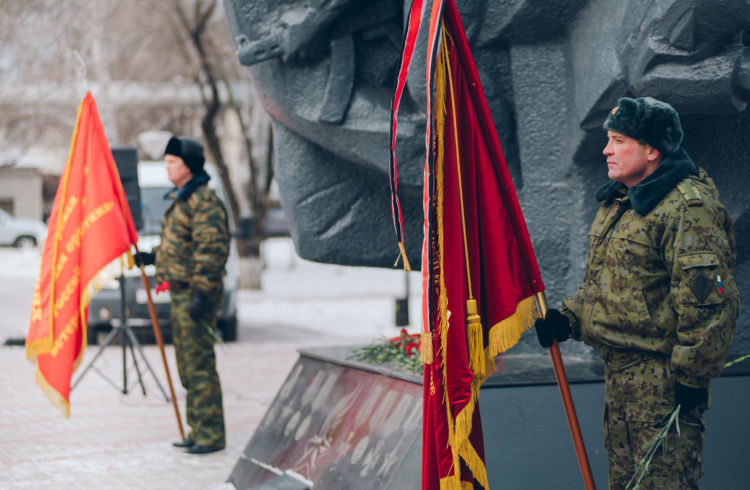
(506, 333)
(440, 113)
(454, 482)
(52, 394)
(425, 350)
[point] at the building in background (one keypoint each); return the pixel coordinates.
(21, 188)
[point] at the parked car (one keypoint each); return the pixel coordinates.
(21, 232)
(105, 309)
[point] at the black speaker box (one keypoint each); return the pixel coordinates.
(126, 159)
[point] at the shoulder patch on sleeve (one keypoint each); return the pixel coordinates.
(690, 193)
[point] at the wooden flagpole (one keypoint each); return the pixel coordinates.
(567, 398)
(160, 342)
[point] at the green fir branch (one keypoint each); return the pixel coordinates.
(641, 468)
(736, 361)
(215, 336)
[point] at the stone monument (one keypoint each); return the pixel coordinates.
(551, 70)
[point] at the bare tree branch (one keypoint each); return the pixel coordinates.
(50, 47)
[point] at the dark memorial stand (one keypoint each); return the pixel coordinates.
(342, 424)
(339, 423)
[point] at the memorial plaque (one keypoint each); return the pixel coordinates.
(338, 427)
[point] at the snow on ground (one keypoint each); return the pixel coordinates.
(18, 272)
(122, 440)
(350, 302)
(357, 302)
(19, 263)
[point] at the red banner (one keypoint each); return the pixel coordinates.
(482, 275)
(410, 38)
(90, 225)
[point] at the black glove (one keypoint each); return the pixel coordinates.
(198, 305)
(144, 258)
(554, 326)
(688, 397)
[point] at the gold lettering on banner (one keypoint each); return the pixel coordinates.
(61, 261)
(36, 305)
(68, 290)
(71, 204)
(75, 240)
(36, 302)
(69, 330)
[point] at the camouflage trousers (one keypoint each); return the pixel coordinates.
(196, 365)
(638, 400)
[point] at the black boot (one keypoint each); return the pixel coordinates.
(198, 449)
(183, 443)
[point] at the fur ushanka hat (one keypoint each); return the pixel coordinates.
(647, 120)
(189, 150)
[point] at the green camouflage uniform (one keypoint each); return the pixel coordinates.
(191, 256)
(650, 302)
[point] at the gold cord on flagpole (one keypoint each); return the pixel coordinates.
(402, 253)
(473, 320)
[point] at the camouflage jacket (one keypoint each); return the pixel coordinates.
(194, 237)
(659, 277)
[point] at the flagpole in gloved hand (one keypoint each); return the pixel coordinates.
(567, 399)
(160, 341)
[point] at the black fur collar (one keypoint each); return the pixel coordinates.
(651, 190)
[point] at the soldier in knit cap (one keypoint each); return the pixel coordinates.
(190, 261)
(658, 300)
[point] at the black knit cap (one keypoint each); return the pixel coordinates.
(647, 120)
(189, 150)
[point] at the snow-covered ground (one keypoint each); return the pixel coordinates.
(332, 299)
(18, 272)
(354, 302)
(122, 440)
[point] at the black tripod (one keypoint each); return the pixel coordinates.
(127, 339)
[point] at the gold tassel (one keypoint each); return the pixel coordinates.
(476, 343)
(402, 253)
(425, 351)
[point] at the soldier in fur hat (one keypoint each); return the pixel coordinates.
(658, 300)
(190, 261)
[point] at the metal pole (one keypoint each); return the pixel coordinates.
(567, 399)
(107, 340)
(134, 342)
(137, 369)
(123, 337)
